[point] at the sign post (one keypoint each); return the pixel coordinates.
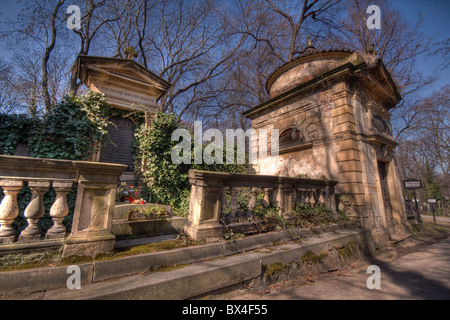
(413, 185)
(432, 202)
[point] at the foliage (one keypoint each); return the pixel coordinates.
(65, 133)
(182, 207)
(308, 216)
(14, 129)
(343, 203)
(167, 181)
(230, 235)
(153, 213)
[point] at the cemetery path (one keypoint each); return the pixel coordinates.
(419, 268)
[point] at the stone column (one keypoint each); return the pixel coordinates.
(34, 211)
(207, 193)
(94, 209)
(59, 210)
(9, 209)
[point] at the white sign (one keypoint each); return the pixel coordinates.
(413, 184)
(431, 200)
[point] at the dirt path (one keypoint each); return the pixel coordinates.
(417, 268)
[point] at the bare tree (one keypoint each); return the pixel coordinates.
(96, 15)
(399, 44)
(38, 24)
(309, 9)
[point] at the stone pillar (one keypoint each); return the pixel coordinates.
(34, 211)
(94, 209)
(206, 204)
(9, 209)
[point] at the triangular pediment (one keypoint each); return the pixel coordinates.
(125, 72)
(383, 83)
(125, 83)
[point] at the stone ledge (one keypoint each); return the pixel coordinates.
(56, 277)
(207, 276)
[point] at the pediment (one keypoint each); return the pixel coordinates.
(120, 72)
(125, 83)
(382, 84)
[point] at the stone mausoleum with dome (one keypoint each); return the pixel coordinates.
(331, 109)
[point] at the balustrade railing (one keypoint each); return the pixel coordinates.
(214, 197)
(97, 183)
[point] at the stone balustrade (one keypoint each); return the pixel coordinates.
(94, 206)
(211, 190)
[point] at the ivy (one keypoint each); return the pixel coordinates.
(165, 179)
(14, 129)
(168, 182)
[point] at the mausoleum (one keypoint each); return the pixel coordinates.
(331, 108)
(127, 86)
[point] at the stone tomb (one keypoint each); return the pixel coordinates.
(127, 86)
(331, 108)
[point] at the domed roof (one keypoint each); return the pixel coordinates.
(310, 63)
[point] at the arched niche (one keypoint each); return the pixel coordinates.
(291, 139)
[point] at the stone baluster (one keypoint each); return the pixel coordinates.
(251, 203)
(9, 209)
(312, 201)
(322, 195)
(330, 197)
(34, 211)
(224, 202)
(306, 197)
(266, 199)
(59, 210)
(234, 205)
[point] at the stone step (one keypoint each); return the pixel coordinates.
(327, 252)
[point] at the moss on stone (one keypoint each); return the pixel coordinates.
(274, 269)
(347, 251)
(314, 258)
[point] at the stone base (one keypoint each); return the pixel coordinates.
(253, 227)
(88, 245)
(204, 231)
(125, 229)
(381, 237)
(29, 237)
(7, 239)
(55, 235)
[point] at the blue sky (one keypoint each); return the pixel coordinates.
(436, 23)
